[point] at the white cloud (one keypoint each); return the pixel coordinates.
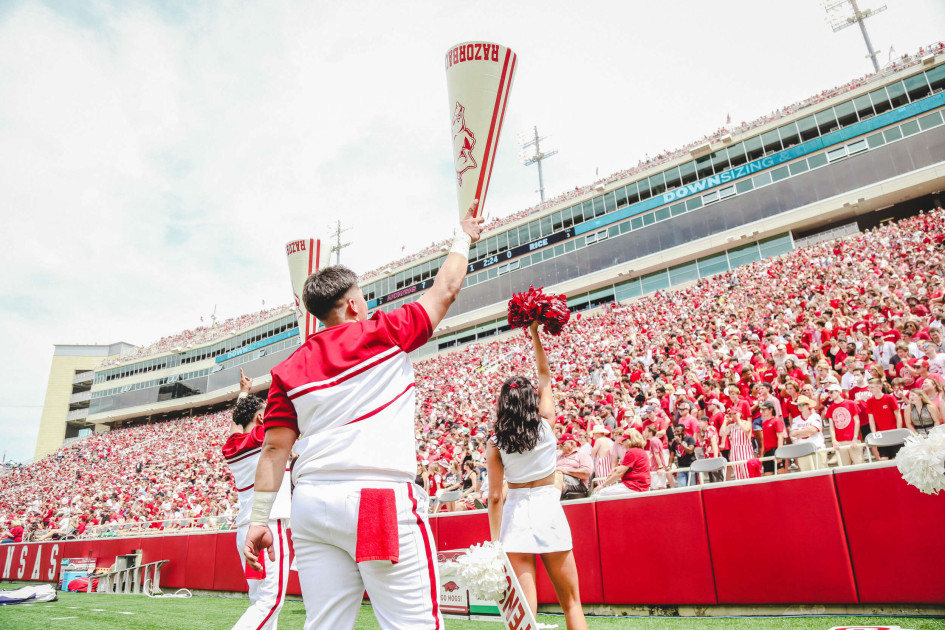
(153, 163)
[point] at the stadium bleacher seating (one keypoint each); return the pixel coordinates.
(658, 350)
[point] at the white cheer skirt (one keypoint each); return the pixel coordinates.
(534, 522)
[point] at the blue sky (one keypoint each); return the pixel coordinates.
(156, 157)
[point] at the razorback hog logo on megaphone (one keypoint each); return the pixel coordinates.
(479, 80)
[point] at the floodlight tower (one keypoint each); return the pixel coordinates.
(839, 16)
(338, 245)
(536, 157)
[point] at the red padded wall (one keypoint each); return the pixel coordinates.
(653, 550)
(891, 528)
(779, 542)
(462, 530)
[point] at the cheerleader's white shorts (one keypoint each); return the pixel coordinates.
(534, 522)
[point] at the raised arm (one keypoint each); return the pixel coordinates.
(546, 402)
(449, 280)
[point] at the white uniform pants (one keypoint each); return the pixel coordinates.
(324, 534)
(266, 596)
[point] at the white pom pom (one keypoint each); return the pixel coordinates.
(482, 570)
(922, 461)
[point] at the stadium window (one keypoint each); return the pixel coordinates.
(559, 249)
(704, 166)
(687, 173)
(545, 225)
(672, 178)
(712, 265)
(779, 173)
(771, 141)
(727, 192)
(736, 154)
(658, 281)
(846, 113)
(857, 147)
(897, 94)
(569, 246)
(936, 78)
(625, 227)
(776, 245)
(588, 209)
(789, 135)
(621, 196)
(556, 221)
(547, 254)
(523, 236)
(798, 167)
(892, 134)
(826, 121)
(590, 238)
(598, 209)
(610, 202)
(807, 128)
(534, 230)
(662, 214)
(720, 160)
(880, 101)
(743, 185)
(693, 204)
(657, 184)
(681, 274)
(602, 235)
(863, 107)
(818, 160)
(514, 265)
(628, 290)
(711, 197)
(535, 258)
(909, 128)
(932, 120)
(744, 255)
(753, 148)
(636, 223)
(762, 179)
(633, 194)
(503, 269)
(648, 219)
(677, 209)
(836, 154)
(643, 189)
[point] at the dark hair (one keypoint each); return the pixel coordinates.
(517, 421)
(325, 288)
(246, 408)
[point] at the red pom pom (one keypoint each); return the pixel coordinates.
(549, 310)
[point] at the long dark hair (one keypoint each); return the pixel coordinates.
(517, 422)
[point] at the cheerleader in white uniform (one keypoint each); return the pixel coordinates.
(523, 452)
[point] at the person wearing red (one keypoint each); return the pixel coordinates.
(772, 432)
(883, 413)
(633, 473)
(844, 418)
(709, 441)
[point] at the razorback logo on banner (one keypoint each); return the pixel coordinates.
(463, 143)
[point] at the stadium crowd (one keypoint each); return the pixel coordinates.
(735, 364)
(903, 63)
(201, 334)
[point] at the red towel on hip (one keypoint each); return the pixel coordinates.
(252, 574)
(378, 538)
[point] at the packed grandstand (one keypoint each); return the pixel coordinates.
(866, 307)
(221, 330)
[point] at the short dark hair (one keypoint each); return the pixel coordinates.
(325, 288)
(246, 408)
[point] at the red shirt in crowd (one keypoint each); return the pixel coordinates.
(637, 477)
(770, 430)
(841, 416)
(883, 410)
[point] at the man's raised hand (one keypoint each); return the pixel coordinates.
(246, 383)
(471, 224)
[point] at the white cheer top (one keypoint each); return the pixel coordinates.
(535, 464)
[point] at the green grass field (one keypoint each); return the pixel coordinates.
(80, 611)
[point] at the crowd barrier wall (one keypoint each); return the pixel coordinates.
(858, 535)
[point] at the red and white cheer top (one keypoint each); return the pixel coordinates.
(348, 392)
(241, 452)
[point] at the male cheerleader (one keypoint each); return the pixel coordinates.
(241, 451)
(347, 395)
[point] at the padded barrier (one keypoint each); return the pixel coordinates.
(778, 541)
(894, 533)
(856, 535)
